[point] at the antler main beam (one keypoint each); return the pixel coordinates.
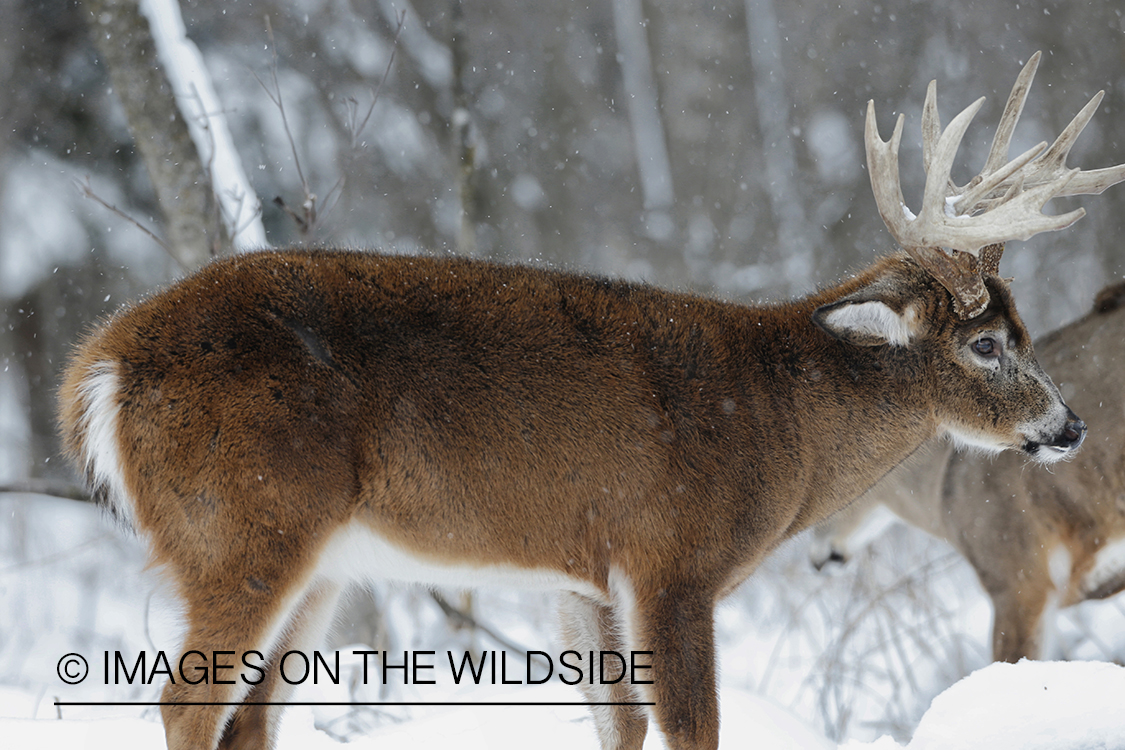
(1004, 202)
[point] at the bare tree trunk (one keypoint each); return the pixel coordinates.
(183, 189)
(642, 98)
(464, 134)
(796, 241)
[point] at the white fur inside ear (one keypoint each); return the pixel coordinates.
(875, 319)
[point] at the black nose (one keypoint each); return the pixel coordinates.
(1073, 434)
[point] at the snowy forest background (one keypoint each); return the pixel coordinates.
(709, 146)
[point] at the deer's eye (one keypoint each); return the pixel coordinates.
(986, 346)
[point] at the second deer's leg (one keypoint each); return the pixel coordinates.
(1020, 623)
(1025, 605)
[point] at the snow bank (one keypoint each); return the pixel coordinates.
(1025, 706)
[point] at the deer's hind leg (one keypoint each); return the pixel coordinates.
(243, 608)
(255, 723)
(588, 626)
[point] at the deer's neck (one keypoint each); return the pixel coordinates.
(836, 417)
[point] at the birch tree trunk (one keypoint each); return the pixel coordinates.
(183, 189)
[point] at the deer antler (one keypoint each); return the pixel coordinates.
(1003, 202)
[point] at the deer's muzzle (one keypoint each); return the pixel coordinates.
(1063, 445)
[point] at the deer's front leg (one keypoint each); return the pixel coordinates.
(676, 623)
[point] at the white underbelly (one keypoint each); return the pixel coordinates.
(358, 553)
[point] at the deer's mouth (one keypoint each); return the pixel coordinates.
(1063, 446)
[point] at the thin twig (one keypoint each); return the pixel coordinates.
(59, 556)
(332, 198)
(239, 198)
(275, 97)
(461, 617)
(306, 219)
(88, 192)
(358, 129)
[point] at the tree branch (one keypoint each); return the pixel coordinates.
(88, 192)
(49, 487)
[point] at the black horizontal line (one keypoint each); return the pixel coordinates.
(349, 703)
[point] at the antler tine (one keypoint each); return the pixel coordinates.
(1054, 160)
(931, 126)
(1021, 217)
(938, 182)
(977, 191)
(1095, 181)
(882, 164)
(1012, 111)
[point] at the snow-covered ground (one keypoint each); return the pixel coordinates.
(858, 658)
(1025, 706)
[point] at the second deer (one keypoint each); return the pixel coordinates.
(1038, 540)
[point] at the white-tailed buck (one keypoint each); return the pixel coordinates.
(283, 423)
(1037, 539)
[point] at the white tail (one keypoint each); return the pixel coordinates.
(1013, 523)
(283, 423)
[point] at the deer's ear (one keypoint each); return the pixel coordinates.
(873, 316)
